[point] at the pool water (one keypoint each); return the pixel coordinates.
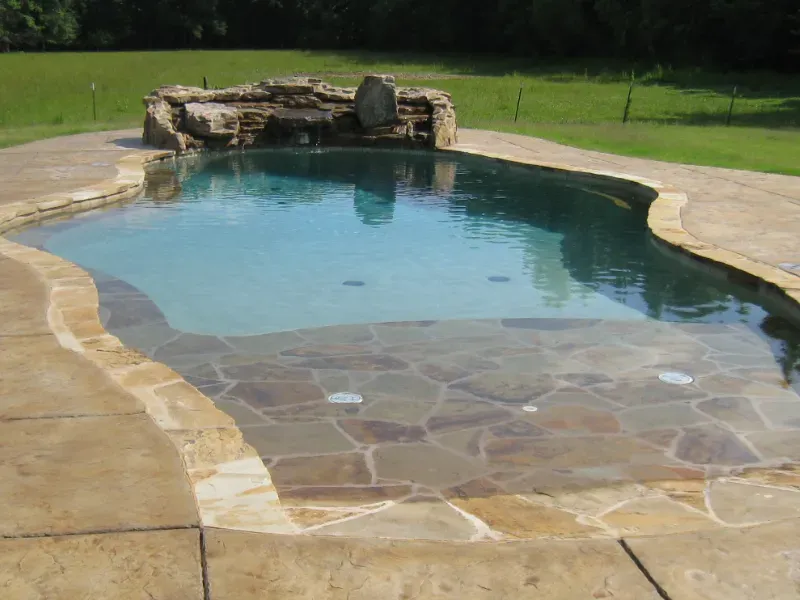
(509, 331)
(275, 240)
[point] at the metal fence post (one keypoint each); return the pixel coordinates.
(730, 108)
(94, 102)
(628, 101)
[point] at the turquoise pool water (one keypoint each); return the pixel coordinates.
(273, 240)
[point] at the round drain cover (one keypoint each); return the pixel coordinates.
(345, 398)
(529, 408)
(676, 378)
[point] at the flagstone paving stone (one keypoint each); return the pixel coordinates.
(118, 566)
(247, 566)
(725, 564)
(90, 474)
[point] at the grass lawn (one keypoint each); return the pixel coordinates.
(676, 115)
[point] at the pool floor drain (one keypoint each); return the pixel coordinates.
(345, 398)
(676, 378)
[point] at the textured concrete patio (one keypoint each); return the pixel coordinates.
(121, 480)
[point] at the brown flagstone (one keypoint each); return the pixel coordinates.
(364, 362)
(736, 411)
(443, 373)
(777, 444)
(418, 518)
(549, 324)
(267, 343)
(502, 386)
(319, 350)
(265, 371)
(710, 444)
(687, 491)
(656, 472)
(472, 363)
(309, 517)
(241, 413)
(646, 391)
(521, 519)
(465, 441)
(463, 413)
(204, 371)
(568, 452)
(728, 385)
(584, 379)
(330, 469)
(296, 438)
(350, 495)
(783, 476)
(338, 334)
(660, 415)
(404, 385)
(782, 414)
(423, 463)
(407, 323)
(659, 437)
(129, 311)
(189, 343)
(517, 429)
(574, 419)
(389, 408)
(271, 394)
(376, 432)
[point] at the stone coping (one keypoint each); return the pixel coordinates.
(666, 222)
(232, 486)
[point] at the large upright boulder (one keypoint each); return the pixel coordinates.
(444, 126)
(159, 130)
(212, 120)
(376, 101)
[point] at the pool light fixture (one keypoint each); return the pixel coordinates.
(675, 378)
(345, 398)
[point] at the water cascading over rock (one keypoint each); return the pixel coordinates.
(299, 110)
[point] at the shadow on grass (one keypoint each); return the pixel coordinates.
(758, 83)
(783, 115)
(752, 85)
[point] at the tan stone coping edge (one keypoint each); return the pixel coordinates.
(665, 222)
(232, 487)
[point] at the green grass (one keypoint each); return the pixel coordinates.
(677, 115)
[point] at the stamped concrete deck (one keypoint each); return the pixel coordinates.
(121, 481)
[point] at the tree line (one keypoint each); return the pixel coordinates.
(730, 33)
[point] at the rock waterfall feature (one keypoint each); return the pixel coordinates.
(299, 111)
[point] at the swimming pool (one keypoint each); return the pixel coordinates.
(290, 238)
(505, 330)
